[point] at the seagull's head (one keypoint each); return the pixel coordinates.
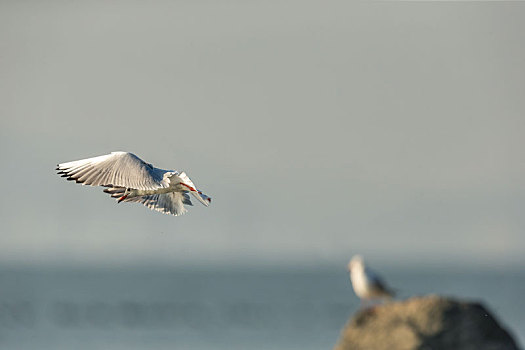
(357, 262)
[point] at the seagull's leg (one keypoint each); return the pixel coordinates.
(126, 194)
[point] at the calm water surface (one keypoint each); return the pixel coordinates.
(162, 308)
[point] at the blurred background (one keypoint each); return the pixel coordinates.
(320, 130)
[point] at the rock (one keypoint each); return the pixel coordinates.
(425, 323)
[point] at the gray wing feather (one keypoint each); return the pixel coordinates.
(186, 199)
(377, 282)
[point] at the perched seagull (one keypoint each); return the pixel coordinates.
(130, 179)
(367, 285)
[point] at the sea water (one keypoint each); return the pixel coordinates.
(197, 308)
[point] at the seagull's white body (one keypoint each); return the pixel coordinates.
(130, 179)
(366, 284)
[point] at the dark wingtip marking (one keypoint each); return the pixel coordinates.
(64, 175)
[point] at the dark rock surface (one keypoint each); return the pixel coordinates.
(425, 323)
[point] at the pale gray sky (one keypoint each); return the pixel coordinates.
(320, 129)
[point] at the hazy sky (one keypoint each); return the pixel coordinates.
(320, 129)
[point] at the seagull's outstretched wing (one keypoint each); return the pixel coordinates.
(167, 203)
(122, 169)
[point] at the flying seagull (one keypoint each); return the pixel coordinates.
(130, 179)
(366, 284)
